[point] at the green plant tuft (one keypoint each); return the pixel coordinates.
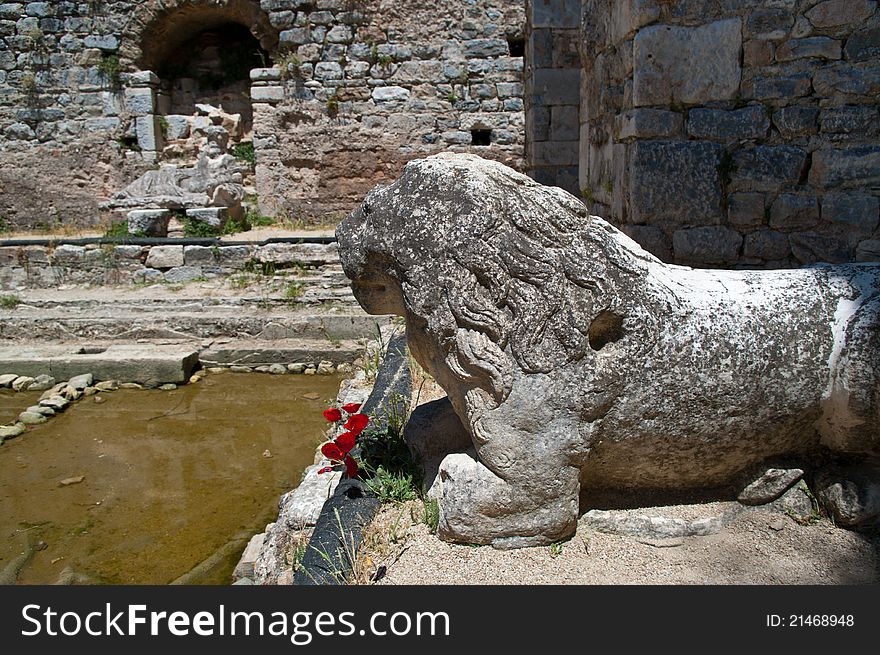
(244, 151)
(117, 230)
(111, 70)
(9, 301)
(198, 229)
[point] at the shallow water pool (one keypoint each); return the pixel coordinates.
(174, 482)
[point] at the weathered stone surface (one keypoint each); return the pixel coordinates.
(42, 383)
(856, 209)
(845, 80)
(386, 94)
(766, 244)
(769, 22)
(810, 248)
(7, 379)
(766, 168)
(745, 209)
(833, 13)
(308, 254)
(790, 211)
(198, 256)
(747, 123)
(770, 486)
(815, 46)
(598, 348)
(648, 526)
(687, 64)
(149, 222)
(22, 383)
(165, 257)
(863, 121)
(858, 165)
(652, 239)
(851, 495)
(31, 418)
(48, 412)
(245, 566)
(215, 217)
(796, 121)
(80, 382)
(668, 178)
(770, 87)
(270, 94)
(649, 124)
(181, 274)
(12, 431)
(868, 251)
(57, 403)
(706, 245)
(863, 45)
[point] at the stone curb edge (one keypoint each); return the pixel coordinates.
(339, 530)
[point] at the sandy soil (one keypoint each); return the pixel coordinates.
(755, 546)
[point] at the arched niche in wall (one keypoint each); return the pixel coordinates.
(202, 51)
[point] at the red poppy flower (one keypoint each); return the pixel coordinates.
(332, 414)
(351, 408)
(356, 423)
(331, 451)
(346, 441)
(326, 469)
(351, 467)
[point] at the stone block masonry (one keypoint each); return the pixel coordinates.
(347, 92)
(552, 87)
(734, 134)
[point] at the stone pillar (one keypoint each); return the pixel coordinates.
(552, 92)
(140, 100)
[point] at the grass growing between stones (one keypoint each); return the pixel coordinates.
(10, 301)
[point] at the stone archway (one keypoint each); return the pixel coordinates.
(159, 27)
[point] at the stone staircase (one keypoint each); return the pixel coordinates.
(243, 327)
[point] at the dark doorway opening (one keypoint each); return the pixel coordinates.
(213, 67)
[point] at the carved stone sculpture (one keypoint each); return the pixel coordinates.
(575, 359)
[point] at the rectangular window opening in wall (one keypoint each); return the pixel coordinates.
(517, 46)
(481, 137)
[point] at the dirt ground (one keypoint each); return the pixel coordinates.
(755, 546)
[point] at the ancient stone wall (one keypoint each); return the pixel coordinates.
(734, 133)
(367, 86)
(553, 80)
(348, 91)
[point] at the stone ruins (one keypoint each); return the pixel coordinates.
(578, 361)
(713, 133)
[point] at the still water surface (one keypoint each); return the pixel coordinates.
(170, 479)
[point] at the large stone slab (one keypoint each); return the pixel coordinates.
(690, 65)
(577, 362)
(127, 363)
(670, 179)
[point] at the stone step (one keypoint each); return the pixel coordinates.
(255, 352)
(195, 324)
(143, 363)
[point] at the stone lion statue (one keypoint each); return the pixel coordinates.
(575, 359)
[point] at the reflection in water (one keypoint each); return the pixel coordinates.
(171, 479)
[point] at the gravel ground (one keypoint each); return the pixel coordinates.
(754, 546)
(747, 551)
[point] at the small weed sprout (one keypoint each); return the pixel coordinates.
(431, 515)
(10, 301)
(244, 152)
(111, 70)
(294, 291)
